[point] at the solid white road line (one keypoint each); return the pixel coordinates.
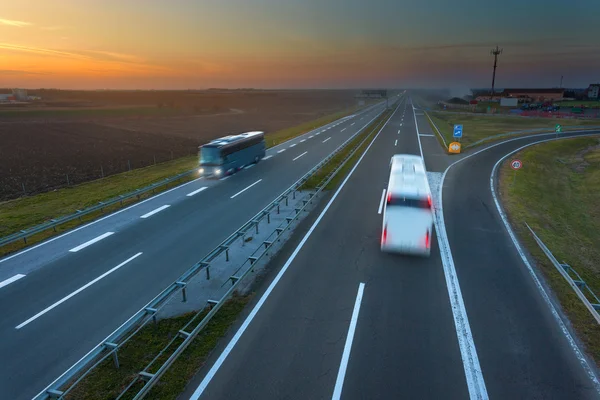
(339, 382)
(343, 129)
(267, 157)
(292, 145)
(243, 190)
(90, 242)
(96, 221)
(426, 134)
(215, 368)
(225, 177)
(466, 344)
(36, 316)
(196, 191)
(396, 142)
(300, 156)
(327, 139)
(303, 140)
(381, 202)
(280, 151)
(159, 209)
(11, 280)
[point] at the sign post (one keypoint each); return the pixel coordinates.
(516, 165)
(458, 132)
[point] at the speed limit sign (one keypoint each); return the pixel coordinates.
(516, 164)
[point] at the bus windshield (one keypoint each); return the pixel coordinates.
(210, 156)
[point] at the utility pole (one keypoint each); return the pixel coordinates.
(495, 52)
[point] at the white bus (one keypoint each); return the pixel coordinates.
(408, 210)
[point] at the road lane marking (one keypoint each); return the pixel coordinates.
(247, 187)
(267, 157)
(396, 142)
(196, 191)
(466, 344)
(381, 202)
(303, 140)
(317, 134)
(11, 280)
(327, 139)
(426, 134)
(225, 177)
(398, 131)
(87, 285)
(310, 137)
(343, 129)
(339, 382)
(300, 156)
(159, 209)
(249, 166)
(352, 123)
(292, 145)
(90, 242)
(280, 151)
(418, 134)
(217, 365)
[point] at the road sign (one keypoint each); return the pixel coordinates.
(458, 131)
(516, 164)
(454, 147)
(558, 128)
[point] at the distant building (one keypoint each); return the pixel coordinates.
(525, 95)
(593, 92)
(20, 94)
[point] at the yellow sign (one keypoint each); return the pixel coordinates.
(454, 147)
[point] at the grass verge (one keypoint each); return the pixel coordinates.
(106, 382)
(328, 168)
(556, 193)
(576, 103)
(477, 127)
(25, 212)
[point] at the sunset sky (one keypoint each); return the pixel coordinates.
(181, 44)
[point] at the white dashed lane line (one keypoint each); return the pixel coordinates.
(303, 140)
(11, 280)
(327, 139)
(292, 145)
(343, 129)
(300, 156)
(247, 187)
(280, 151)
(159, 209)
(90, 242)
(196, 191)
(267, 157)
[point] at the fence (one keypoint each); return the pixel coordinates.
(110, 346)
(591, 301)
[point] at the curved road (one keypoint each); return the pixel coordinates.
(343, 320)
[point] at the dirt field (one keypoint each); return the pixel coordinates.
(87, 134)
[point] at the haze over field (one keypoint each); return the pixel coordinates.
(180, 44)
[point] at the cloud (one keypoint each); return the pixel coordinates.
(112, 56)
(21, 72)
(53, 28)
(11, 22)
(40, 51)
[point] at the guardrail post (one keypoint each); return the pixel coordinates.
(277, 208)
(268, 218)
(182, 285)
(208, 272)
(152, 311)
(294, 194)
(286, 201)
(25, 239)
(256, 225)
(227, 254)
(114, 347)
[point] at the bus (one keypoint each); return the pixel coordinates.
(226, 155)
(408, 210)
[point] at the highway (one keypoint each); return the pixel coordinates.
(340, 319)
(64, 296)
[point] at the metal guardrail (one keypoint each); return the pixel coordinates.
(576, 283)
(109, 346)
(55, 222)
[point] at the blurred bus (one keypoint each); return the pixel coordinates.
(408, 211)
(229, 154)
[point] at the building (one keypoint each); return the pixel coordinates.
(20, 94)
(5, 98)
(526, 95)
(593, 92)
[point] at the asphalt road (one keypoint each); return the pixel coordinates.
(343, 320)
(68, 301)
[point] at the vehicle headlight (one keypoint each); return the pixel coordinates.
(201, 171)
(218, 171)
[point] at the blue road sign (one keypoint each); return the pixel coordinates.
(457, 130)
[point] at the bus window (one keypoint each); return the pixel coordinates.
(210, 156)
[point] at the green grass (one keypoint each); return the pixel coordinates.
(106, 382)
(317, 178)
(29, 211)
(476, 127)
(575, 103)
(556, 193)
(89, 112)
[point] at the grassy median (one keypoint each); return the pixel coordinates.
(26, 212)
(556, 193)
(478, 127)
(106, 382)
(328, 168)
